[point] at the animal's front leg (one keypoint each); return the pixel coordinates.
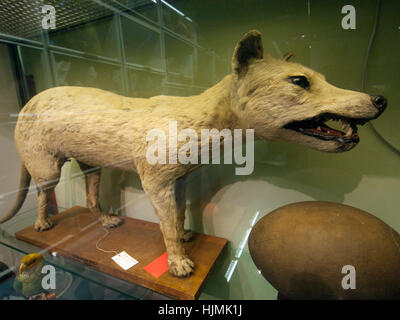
(169, 202)
(180, 197)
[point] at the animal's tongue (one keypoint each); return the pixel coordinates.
(323, 129)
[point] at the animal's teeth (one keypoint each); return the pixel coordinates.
(349, 132)
(345, 124)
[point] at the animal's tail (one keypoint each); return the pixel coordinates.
(24, 182)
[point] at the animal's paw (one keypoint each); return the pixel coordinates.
(180, 266)
(187, 236)
(43, 224)
(109, 222)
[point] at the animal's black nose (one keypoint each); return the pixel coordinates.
(379, 102)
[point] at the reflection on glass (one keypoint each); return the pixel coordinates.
(182, 91)
(144, 84)
(179, 58)
(79, 72)
(175, 20)
(204, 74)
(222, 68)
(34, 65)
(147, 8)
(142, 45)
(382, 76)
(99, 38)
(25, 20)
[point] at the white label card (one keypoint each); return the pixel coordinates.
(124, 260)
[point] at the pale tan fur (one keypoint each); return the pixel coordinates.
(102, 129)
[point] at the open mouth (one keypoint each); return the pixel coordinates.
(318, 128)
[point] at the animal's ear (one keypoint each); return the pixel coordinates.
(287, 56)
(248, 48)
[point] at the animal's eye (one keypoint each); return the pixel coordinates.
(300, 81)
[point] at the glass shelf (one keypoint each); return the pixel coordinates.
(78, 281)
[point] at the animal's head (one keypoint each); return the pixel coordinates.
(282, 100)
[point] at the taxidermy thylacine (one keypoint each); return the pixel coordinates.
(279, 100)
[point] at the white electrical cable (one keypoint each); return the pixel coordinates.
(102, 238)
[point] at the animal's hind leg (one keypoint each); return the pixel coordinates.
(92, 176)
(43, 221)
(45, 171)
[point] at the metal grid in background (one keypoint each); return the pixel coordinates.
(20, 24)
(22, 18)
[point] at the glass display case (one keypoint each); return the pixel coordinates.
(74, 280)
(156, 48)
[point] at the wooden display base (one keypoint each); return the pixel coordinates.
(77, 230)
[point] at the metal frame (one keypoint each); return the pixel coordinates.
(50, 50)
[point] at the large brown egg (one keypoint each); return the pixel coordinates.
(301, 250)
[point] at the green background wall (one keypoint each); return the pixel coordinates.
(367, 177)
